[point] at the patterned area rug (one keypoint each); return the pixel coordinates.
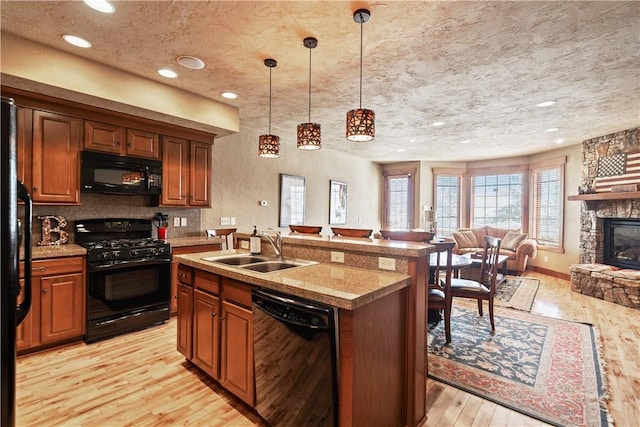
(545, 368)
(517, 292)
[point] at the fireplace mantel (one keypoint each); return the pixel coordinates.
(591, 199)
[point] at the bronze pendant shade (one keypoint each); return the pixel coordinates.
(361, 121)
(269, 145)
(309, 133)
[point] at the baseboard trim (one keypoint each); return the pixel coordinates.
(548, 272)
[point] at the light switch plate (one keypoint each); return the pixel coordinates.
(233, 220)
(183, 222)
(225, 220)
(176, 222)
(244, 244)
(337, 257)
(387, 264)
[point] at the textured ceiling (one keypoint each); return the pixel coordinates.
(481, 67)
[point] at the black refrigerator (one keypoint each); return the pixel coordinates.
(13, 230)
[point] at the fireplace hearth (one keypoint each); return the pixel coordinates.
(622, 242)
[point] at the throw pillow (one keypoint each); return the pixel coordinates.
(512, 240)
(465, 239)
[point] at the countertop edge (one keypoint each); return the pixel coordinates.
(277, 281)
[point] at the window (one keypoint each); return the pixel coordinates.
(547, 218)
(398, 200)
(447, 196)
(497, 201)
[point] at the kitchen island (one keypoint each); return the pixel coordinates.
(382, 321)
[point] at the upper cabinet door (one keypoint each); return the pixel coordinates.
(103, 137)
(175, 162)
(56, 168)
(200, 174)
(143, 144)
(24, 144)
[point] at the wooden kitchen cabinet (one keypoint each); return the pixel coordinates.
(57, 312)
(186, 172)
(119, 140)
(222, 329)
(55, 167)
(177, 272)
(236, 370)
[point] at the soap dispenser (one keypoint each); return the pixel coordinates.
(254, 242)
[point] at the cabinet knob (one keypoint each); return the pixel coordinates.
(117, 142)
(129, 145)
(35, 188)
(45, 290)
(41, 268)
(213, 314)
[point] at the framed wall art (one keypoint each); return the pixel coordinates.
(291, 200)
(337, 202)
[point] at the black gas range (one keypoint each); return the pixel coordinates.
(128, 276)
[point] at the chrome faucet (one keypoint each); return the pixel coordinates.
(275, 244)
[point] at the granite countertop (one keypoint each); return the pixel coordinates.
(55, 251)
(177, 242)
(343, 287)
(376, 246)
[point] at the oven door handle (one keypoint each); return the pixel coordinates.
(127, 263)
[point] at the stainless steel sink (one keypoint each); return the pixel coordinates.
(237, 259)
(268, 267)
(260, 264)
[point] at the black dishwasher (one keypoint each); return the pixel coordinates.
(295, 356)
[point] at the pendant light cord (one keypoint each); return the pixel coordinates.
(361, 22)
(309, 85)
(270, 100)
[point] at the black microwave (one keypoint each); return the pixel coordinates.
(113, 174)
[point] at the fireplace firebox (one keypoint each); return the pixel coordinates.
(622, 242)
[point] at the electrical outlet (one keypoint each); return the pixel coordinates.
(387, 264)
(337, 257)
(546, 258)
(183, 222)
(225, 220)
(176, 222)
(233, 220)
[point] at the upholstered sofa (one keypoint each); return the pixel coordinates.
(515, 245)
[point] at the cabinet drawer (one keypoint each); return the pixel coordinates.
(185, 274)
(47, 267)
(207, 282)
(237, 292)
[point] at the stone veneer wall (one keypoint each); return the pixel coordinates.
(592, 222)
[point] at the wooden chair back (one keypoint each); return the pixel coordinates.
(228, 234)
(489, 269)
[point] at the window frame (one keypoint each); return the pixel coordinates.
(395, 173)
(534, 169)
(457, 173)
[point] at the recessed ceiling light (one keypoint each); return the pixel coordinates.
(412, 140)
(546, 104)
(229, 95)
(437, 124)
(552, 130)
(190, 62)
(401, 150)
(100, 5)
(558, 140)
(466, 141)
(76, 41)
(165, 72)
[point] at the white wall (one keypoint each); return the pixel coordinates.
(241, 179)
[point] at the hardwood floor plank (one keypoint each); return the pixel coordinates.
(141, 380)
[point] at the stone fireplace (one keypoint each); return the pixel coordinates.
(595, 276)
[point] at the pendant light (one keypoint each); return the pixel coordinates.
(361, 122)
(309, 133)
(269, 145)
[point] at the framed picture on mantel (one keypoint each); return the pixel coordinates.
(291, 200)
(337, 202)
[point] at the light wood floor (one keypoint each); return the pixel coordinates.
(139, 379)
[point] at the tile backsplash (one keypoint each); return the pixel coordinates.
(117, 206)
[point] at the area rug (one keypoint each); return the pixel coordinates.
(545, 368)
(517, 292)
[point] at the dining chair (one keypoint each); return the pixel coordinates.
(228, 234)
(439, 290)
(485, 287)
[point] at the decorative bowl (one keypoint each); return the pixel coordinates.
(306, 229)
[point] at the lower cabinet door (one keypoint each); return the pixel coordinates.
(206, 332)
(237, 373)
(61, 307)
(185, 320)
